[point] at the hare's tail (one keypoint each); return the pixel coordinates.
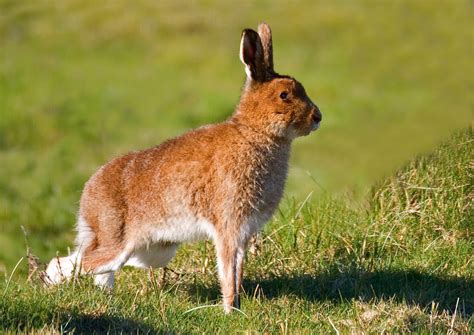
(99, 256)
(63, 268)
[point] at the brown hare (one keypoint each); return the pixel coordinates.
(220, 182)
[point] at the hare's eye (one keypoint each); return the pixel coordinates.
(283, 95)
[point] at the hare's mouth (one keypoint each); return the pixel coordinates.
(316, 126)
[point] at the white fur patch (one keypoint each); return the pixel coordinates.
(238, 263)
(220, 267)
(84, 235)
(156, 255)
(241, 56)
(62, 268)
(185, 227)
(105, 280)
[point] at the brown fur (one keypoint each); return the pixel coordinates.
(231, 174)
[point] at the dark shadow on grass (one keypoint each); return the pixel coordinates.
(411, 287)
(73, 322)
(103, 324)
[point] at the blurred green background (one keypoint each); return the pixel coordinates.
(84, 81)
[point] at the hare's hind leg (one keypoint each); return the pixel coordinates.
(105, 255)
(105, 260)
(108, 247)
(102, 267)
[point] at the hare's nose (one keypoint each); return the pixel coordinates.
(317, 116)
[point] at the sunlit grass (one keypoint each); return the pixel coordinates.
(83, 81)
(400, 264)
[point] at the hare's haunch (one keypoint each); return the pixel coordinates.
(220, 182)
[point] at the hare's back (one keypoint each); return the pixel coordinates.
(178, 167)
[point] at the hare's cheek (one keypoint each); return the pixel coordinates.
(307, 124)
(278, 128)
(293, 132)
(302, 127)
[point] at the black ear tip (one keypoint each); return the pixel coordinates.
(249, 32)
(251, 36)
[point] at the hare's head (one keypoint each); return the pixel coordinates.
(275, 104)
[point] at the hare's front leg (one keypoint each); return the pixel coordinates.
(239, 268)
(230, 259)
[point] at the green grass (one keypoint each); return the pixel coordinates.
(402, 263)
(82, 81)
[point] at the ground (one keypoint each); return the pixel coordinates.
(355, 246)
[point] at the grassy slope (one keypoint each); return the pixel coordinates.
(82, 81)
(403, 263)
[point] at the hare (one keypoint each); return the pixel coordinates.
(220, 182)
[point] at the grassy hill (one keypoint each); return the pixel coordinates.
(402, 263)
(82, 81)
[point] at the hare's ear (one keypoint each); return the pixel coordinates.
(265, 34)
(251, 54)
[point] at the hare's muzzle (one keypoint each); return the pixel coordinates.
(317, 117)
